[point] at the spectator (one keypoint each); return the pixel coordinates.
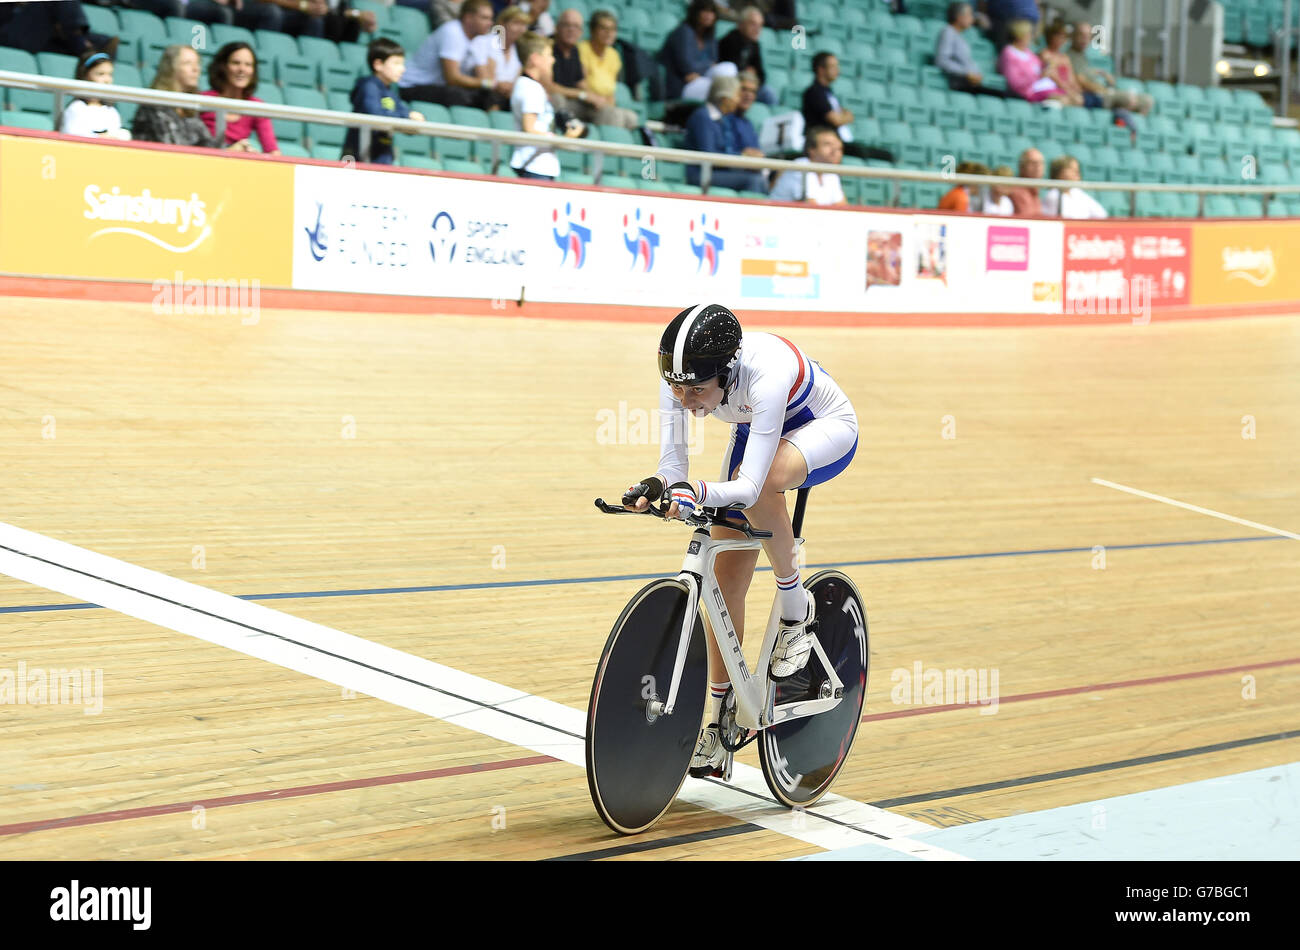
(92, 116)
(178, 71)
(494, 56)
(690, 54)
(1070, 202)
(821, 145)
(1024, 199)
(746, 134)
(1098, 82)
(820, 107)
(297, 17)
(345, 23)
(707, 131)
(1056, 67)
(1023, 70)
(208, 11)
(952, 53)
(233, 75)
(377, 94)
(442, 69)
(1002, 13)
(959, 198)
(533, 110)
(778, 14)
(601, 66)
(51, 27)
(741, 47)
(725, 12)
(543, 23)
(996, 200)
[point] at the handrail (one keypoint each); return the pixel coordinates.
(501, 137)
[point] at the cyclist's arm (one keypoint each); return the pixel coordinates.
(770, 393)
(673, 464)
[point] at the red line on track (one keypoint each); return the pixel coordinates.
(1071, 690)
(274, 794)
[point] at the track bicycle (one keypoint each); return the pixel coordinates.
(648, 695)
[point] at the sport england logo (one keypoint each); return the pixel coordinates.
(640, 242)
(316, 242)
(707, 246)
(441, 247)
(573, 241)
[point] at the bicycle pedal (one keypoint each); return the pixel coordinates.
(727, 766)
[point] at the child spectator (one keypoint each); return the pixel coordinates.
(377, 94)
(178, 71)
(93, 116)
(533, 110)
(233, 75)
(959, 198)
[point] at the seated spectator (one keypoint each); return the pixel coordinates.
(1056, 67)
(533, 110)
(601, 65)
(345, 23)
(1002, 13)
(442, 69)
(1023, 70)
(707, 131)
(959, 198)
(690, 54)
(746, 134)
(93, 116)
(208, 11)
(1098, 82)
(493, 55)
(995, 200)
(443, 11)
(53, 27)
(178, 71)
(296, 17)
(543, 24)
(820, 107)
(1070, 202)
(376, 94)
(233, 75)
(778, 14)
(821, 145)
(1025, 200)
(741, 47)
(952, 53)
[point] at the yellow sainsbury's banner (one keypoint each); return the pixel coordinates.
(1235, 263)
(74, 209)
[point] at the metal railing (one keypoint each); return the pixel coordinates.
(599, 150)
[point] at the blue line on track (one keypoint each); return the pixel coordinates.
(610, 578)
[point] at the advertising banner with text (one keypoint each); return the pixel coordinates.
(1245, 262)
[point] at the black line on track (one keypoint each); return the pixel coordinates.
(308, 646)
(1087, 769)
(640, 846)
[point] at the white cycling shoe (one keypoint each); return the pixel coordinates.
(793, 643)
(710, 757)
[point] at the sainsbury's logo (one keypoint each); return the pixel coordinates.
(182, 214)
(1081, 248)
(1245, 263)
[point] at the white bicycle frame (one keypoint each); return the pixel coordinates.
(755, 692)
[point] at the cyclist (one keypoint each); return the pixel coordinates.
(792, 427)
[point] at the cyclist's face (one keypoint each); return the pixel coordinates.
(701, 397)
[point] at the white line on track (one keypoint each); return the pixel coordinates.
(1197, 508)
(414, 683)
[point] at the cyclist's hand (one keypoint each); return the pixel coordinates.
(683, 500)
(639, 496)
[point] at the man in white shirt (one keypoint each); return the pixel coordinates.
(495, 54)
(442, 69)
(822, 145)
(1070, 202)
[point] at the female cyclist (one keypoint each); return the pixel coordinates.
(793, 427)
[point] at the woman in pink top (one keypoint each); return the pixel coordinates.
(233, 75)
(1023, 70)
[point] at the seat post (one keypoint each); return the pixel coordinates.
(800, 502)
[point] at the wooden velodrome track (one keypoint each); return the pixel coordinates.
(328, 451)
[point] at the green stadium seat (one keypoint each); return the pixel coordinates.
(329, 135)
(30, 101)
(124, 74)
(286, 131)
(412, 144)
(127, 110)
(338, 77)
(354, 54)
(183, 31)
(328, 153)
(222, 34)
(270, 92)
(449, 149)
(57, 65)
(296, 71)
(619, 181)
(272, 44)
(379, 8)
(420, 161)
(101, 20)
(461, 166)
(320, 50)
(18, 61)
(293, 150)
(1220, 206)
(41, 122)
